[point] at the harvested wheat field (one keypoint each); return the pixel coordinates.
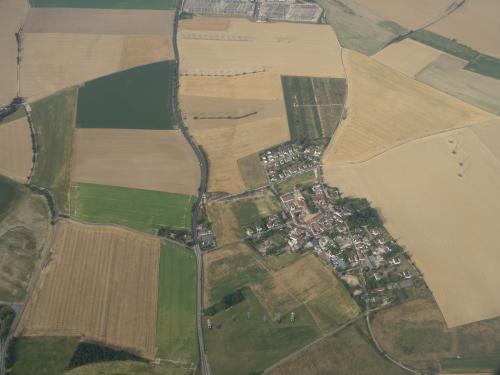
(65, 47)
(159, 160)
(408, 57)
(12, 13)
(385, 108)
(474, 24)
(15, 149)
(206, 23)
(454, 180)
(411, 14)
(101, 284)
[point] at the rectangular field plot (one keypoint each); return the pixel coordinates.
(105, 4)
(176, 318)
(144, 210)
(138, 98)
(101, 283)
(54, 122)
(314, 106)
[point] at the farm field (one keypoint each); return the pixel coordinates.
(101, 283)
(66, 47)
(416, 333)
(176, 337)
(438, 235)
(475, 24)
(25, 233)
(232, 101)
(229, 218)
(118, 100)
(12, 13)
(408, 56)
(411, 14)
(104, 4)
(54, 120)
(447, 74)
(386, 108)
(314, 106)
(10, 194)
(159, 160)
(252, 171)
(128, 368)
(15, 149)
(349, 352)
(357, 27)
(41, 355)
(143, 210)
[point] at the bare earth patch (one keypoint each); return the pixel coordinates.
(101, 284)
(440, 198)
(16, 150)
(158, 160)
(386, 108)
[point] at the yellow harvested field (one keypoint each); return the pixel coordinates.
(160, 160)
(474, 24)
(145, 49)
(411, 14)
(12, 13)
(408, 57)
(15, 150)
(214, 56)
(224, 222)
(385, 108)
(440, 197)
(101, 284)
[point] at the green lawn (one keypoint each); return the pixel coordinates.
(54, 122)
(138, 98)
(143, 210)
(244, 339)
(10, 193)
(176, 337)
(41, 355)
(105, 4)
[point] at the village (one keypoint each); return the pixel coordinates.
(345, 232)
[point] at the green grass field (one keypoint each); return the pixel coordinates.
(138, 98)
(54, 122)
(105, 4)
(244, 339)
(478, 62)
(129, 368)
(176, 337)
(10, 193)
(486, 364)
(252, 171)
(306, 180)
(20, 112)
(314, 106)
(40, 355)
(143, 210)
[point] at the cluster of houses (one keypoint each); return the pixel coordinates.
(289, 160)
(317, 219)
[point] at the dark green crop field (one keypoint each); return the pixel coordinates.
(54, 122)
(138, 98)
(10, 193)
(105, 4)
(314, 106)
(176, 320)
(144, 210)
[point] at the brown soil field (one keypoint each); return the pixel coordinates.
(99, 21)
(206, 23)
(12, 13)
(475, 24)
(158, 160)
(446, 73)
(454, 180)
(408, 57)
(101, 284)
(15, 149)
(489, 135)
(145, 49)
(385, 108)
(411, 14)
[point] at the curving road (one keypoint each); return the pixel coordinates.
(205, 367)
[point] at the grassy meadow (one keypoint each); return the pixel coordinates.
(105, 4)
(54, 122)
(10, 193)
(137, 98)
(306, 179)
(176, 337)
(143, 210)
(252, 171)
